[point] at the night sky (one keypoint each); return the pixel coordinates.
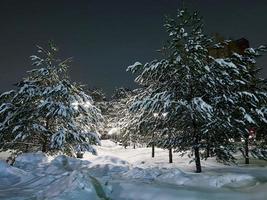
(104, 37)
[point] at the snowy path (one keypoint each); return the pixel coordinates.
(128, 174)
(142, 157)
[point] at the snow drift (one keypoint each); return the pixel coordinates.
(34, 175)
(105, 177)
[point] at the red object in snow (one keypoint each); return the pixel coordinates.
(252, 132)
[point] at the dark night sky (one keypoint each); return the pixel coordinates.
(104, 37)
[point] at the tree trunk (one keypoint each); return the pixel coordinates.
(134, 146)
(197, 160)
(45, 140)
(208, 150)
(196, 148)
(79, 155)
(153, 150)
(153, 146)
(246, 150)
(197, 156)
(170, 155)
(27, 148)
(44, 146)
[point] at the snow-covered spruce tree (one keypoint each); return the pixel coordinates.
(120, 117)
(131, 124)
(101, 102)
(250, 102)
(166, 136)
(49, 112)
(239, 106)
(117, 109)
(183, 85)
(6, 110)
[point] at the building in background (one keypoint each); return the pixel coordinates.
(228, 47)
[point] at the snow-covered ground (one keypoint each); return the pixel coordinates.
(128, 174)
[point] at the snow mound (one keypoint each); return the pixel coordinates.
(109, 160)
(67, 183)
(108, 143)
(229, 180)
(39, 178)
(11, 175)
(174, 176)
(30, 161)
(108, 165)
(114, 131)
(69, 164)
(4, 155)
(144, 174)
(64, 178)
(180, 178)
(171, 176)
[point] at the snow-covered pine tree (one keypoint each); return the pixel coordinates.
(184, 85)
(49, 112)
